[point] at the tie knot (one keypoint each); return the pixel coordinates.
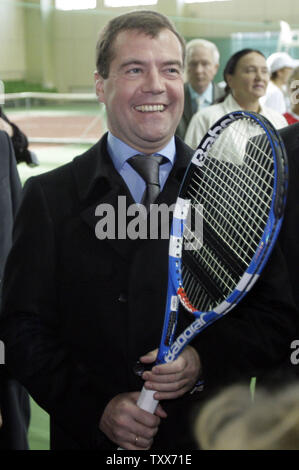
(148, 167)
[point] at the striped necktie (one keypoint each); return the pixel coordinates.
(148, 168)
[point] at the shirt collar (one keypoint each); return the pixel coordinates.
(120, 152)
(206, 97)
(233, 105)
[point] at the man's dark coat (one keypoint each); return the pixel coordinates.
(79, 311)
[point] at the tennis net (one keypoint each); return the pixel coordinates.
(57, 118)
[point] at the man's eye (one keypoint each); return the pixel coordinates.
(134, 71)
(172, 70)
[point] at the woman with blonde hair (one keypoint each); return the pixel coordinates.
(233, 421)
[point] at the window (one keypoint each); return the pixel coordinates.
(75, 4)
(129, 3)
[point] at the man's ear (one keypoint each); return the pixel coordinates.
(99, 86)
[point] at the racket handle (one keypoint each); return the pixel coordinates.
(146, 400)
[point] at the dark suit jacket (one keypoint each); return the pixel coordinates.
(14, 402)
(96, 306)
(10, 195)
(289, 235)
(19, 142)
(218, 92)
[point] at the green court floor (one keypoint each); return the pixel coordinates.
(39, 428)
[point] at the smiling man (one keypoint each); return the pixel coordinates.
(79, 363)
(79, 311)
(143, 92)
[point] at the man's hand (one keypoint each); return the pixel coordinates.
(5, 126)
(174, 379)
(129, 426)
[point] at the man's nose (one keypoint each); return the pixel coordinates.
(199, 67)
(154, 82)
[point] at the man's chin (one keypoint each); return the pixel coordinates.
(151, 143)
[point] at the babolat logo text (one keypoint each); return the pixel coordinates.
(183, 339)
(2, 353)
(201, 153)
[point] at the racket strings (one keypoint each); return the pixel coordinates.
(197, 292)
(220, 213)
(236, 198)
(246, 186)
(247, 176)
(218, 273)
(263, 172)
(214, 265)
(243, 208)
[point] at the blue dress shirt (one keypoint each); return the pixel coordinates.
(205, 99)
(121, 152)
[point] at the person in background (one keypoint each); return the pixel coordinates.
(14, 401)
(19, 141)
(288, 236)
(280, 66)
(202, 63)
(234, 420)
(246, 76)
(292, 115)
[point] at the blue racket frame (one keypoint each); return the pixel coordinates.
(169, 350)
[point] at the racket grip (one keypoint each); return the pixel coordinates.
(146, 400)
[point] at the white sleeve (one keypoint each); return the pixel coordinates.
(275, 100)
(196, 130)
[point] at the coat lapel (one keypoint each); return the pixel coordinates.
(98, 183)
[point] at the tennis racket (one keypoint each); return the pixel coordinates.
(236, 185)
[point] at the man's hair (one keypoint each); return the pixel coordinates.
(145, 21)
(202, 43)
